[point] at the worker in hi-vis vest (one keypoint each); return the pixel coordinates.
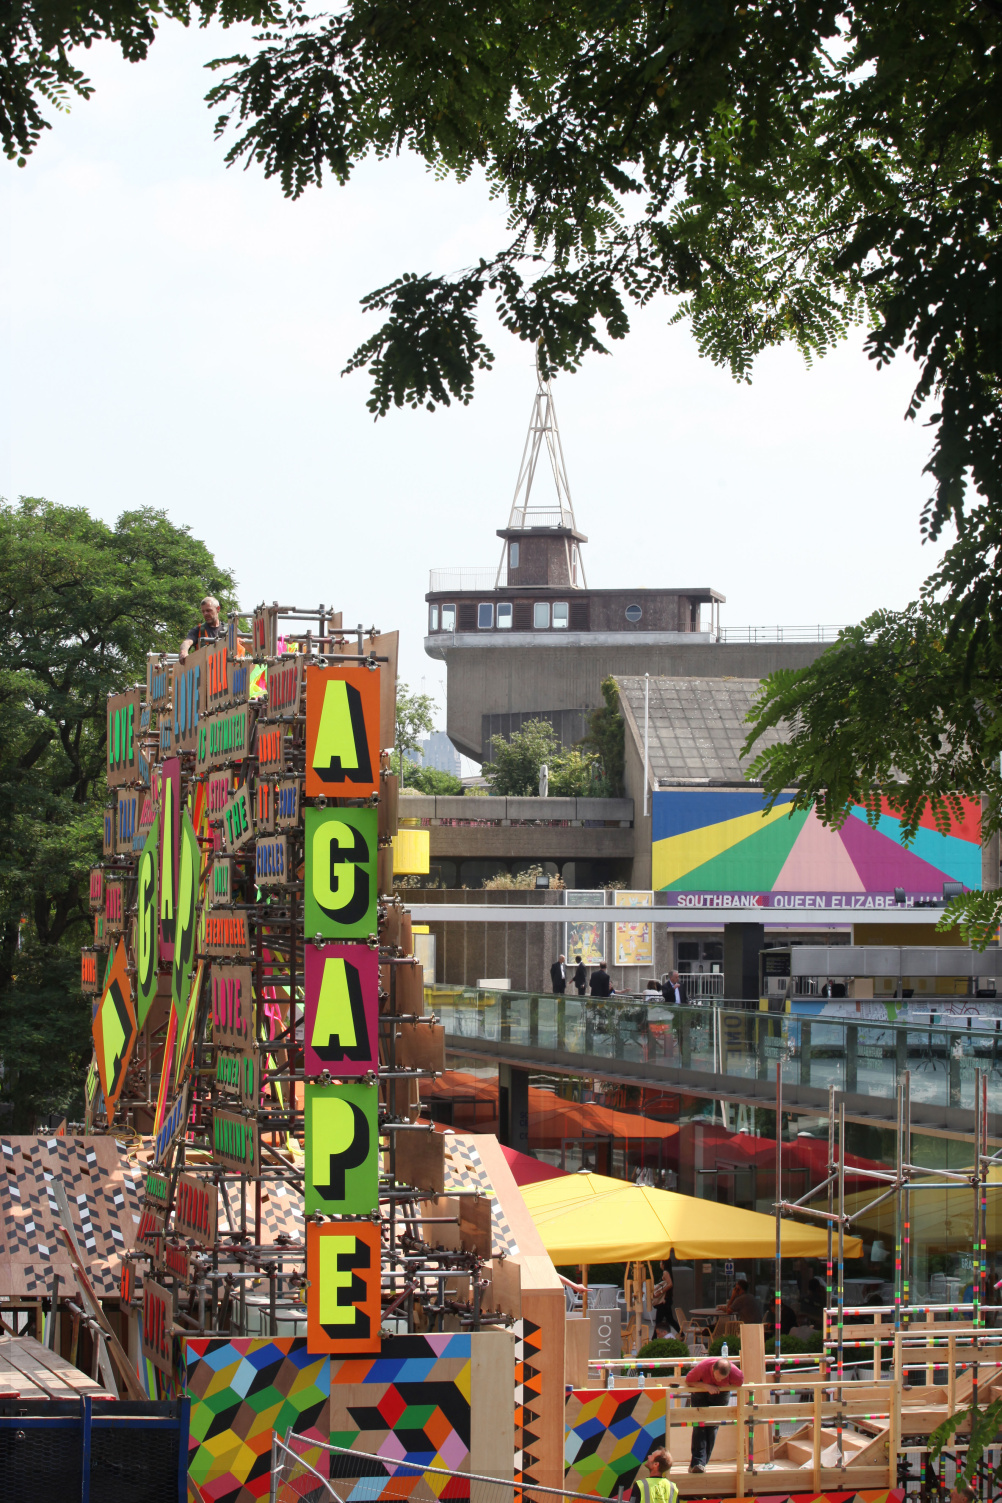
(658, 1487)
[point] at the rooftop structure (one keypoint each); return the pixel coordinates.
(530, 639)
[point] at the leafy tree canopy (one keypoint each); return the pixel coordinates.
(415, 718)
(83, 604)
(519, 758)
(432, 780)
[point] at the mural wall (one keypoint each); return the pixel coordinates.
(412, 1402)
(717, 848)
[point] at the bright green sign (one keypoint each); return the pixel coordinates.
(342, 1149)
(341, 873)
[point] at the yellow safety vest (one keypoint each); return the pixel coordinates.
(659, 1490)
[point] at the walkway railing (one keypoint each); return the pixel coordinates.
(861, 1058)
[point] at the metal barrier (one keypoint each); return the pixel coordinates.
(866, 1058)
(94, 1450)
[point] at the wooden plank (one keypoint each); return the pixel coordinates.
(492, 1409)
(60, 1368)
(816, 1443)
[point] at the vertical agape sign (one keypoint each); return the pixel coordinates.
(340, 846)
(342, 1301)
(342, 731)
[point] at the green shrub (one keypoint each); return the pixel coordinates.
(664, 1346)
(791, 1345)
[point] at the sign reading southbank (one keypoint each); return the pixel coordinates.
(831, 902)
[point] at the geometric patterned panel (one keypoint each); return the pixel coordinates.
(465, 1170)
(528, 1390)
(411, 1403)
(243, 1388)
(608, 1434)
(104, 1190)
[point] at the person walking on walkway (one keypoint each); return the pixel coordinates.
(718, 1374)
(558, 975)
(658, 1487)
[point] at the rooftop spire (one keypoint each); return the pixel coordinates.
(525, 513)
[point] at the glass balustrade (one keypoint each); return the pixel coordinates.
(861, 1058)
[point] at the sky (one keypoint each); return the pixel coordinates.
(177, 332)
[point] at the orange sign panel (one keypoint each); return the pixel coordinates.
(342, 731)
(342, 1296)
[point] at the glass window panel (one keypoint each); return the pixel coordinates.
(433, 618)
(513, 555)
(504, 616)
(541, 613)
(448, 618)
(560, 613)
(485, 614)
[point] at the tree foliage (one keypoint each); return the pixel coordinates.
(83, 604)
(431, 780)
(415, 718)
(519, 758)
(986, 1424)
(607, 739)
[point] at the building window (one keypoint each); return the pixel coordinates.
(541, 614)
(633, 613)
(504, 615)
(433, 618)
(560, 612)
(448, 618)
(513, 555)
(485, 614)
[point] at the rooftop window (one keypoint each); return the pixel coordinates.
(485, 615)
(561, 611)
(541, 614)
(448, 618)
(504, 614)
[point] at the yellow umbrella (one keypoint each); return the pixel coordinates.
(589, 1218)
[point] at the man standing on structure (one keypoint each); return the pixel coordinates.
(207, 630)
(558, 975)
(580, 977)
(713, 1376)
(601, 981)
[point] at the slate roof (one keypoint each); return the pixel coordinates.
(696, 729)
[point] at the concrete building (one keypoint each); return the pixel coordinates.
(529, 639)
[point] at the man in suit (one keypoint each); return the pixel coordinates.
(580, 977)
(601, 981)
(675, 991)
(558, 975)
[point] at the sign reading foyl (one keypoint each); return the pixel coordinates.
(158, 1326)
(342, 1007)
(235, 1142)
(342, 1297)
(342, 1149)
(196, 1210)
(114, 1030)
(342, 731)
(123, 726)
(232, 1009)
(340, 900)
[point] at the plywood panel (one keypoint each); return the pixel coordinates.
(492, 1409)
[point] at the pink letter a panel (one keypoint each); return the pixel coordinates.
(342, 1008)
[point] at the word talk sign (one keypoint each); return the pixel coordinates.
(342, 1009)
(342, 731)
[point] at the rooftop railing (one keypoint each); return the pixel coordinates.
(858, 1058)
(465, 579)
(779, 633)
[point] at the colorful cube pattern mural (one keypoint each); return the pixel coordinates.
(241, 1390)
(608, 1433)
(410, 1404)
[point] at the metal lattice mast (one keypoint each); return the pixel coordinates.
(543, 428)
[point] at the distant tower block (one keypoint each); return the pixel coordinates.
(541, 541)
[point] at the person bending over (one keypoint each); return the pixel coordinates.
(658, 1487)
(713, 1377)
